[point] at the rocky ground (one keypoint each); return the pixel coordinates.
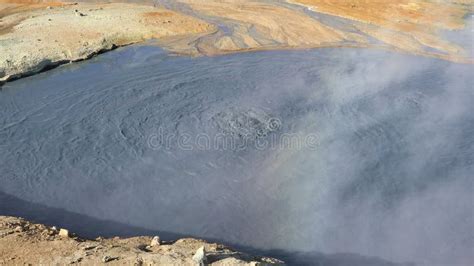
(23, 242)
(411, 26)
(408, 25)
(39, 34)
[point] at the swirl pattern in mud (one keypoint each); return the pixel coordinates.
(393, 162)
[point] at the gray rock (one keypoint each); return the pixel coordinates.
(106, 259)
(79, 14)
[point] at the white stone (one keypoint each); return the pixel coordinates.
(63, 232)
(155, 241)
(200, 256)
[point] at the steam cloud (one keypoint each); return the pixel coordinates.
(391, 176)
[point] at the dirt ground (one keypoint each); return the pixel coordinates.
(23, 242)
(37, 35)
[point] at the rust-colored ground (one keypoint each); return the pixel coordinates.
(408, 25)
(10, 7)
(53, 30)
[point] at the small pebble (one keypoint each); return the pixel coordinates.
(63, 232)
(106, 259)
(155, 241)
